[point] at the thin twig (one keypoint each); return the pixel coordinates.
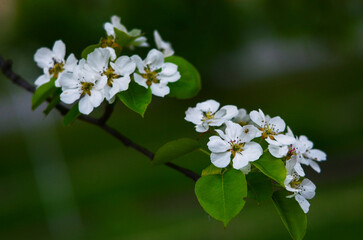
(6, 68)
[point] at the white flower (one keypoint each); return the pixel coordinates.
(206, 114)
(272, 130)
(117, 74)
(116, 23)
(165, 47)
(235, 143)
(301, 189)
(85, 84)
(303, 150)
(153, 72)
(242, 117)
(52, 62)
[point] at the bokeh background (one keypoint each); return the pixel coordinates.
(301, 60)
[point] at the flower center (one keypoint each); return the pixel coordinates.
(295, 183)
(291, 152)
(109, 41)
(150, 76)
(268, 132)
(111, 75)
(56, 69)
(86, 88)
(207, 116)
(236, 147)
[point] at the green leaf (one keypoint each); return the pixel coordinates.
(189, 83)
(291, 214)
(88, 50)
(175, 149)
(55, 100)
(43, 92)
(123, 39)
(211, 170)
(136, 97)
(271, 167)
(259, 186)
(71, 115)
(221, 196)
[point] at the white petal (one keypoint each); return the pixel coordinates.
(239, 161)
(252, 151)
(284, 139)
(67, 81)
(85, 106)
(96, 98)
(231, 112)
(304, 140)
(299, 170)
(277, 124)
(193, 115)
(217, 145)
(201, 128)
(140, 80)
(208, 106)
(42, 79)
(154, 59)
(140, 42)
(70, 96)
(304, 204)
(169, 69)
(233, 130)
(278, 151)
(139, 63)
(44, 58)
(109, 29)
(59, 50)
(71, 63)
(242, 116)
(314, 166)
(221, 160)
(171, 78)
(307, 189)
(159, 90)
(116, 22)
(98, 59)
(249, 132)
(317, 155)
(258, 117)
(124, 66)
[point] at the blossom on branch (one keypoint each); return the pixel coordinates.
(206, 114)
(153, 72)
(53, 64)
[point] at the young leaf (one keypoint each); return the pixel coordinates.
(211, 170)
(259, 186)
(271, 167)
(221, 196)
(291, 214)
(71, 115)
(123, 39)
(136, 97)
(88, 50)
(175, 149)
(55, 100)
(42, 93)
(189, 83)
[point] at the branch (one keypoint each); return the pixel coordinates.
(6, 68)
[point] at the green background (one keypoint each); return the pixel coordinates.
(301, 60)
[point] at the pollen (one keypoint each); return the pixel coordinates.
(111, 75)
(150, 76)
(86, 88)
(56, 69)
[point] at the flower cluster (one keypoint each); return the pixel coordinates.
(237, 141)
(104, 72)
